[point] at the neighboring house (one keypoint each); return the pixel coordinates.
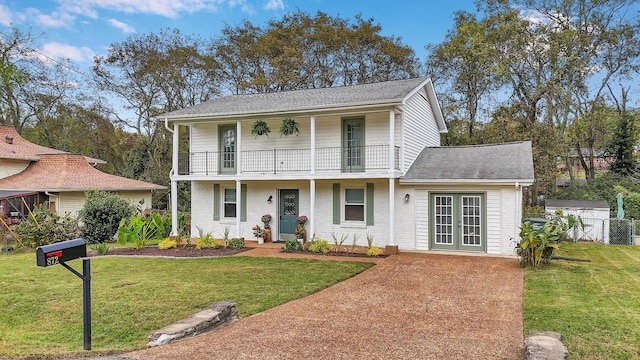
(366, 162)
(601, 160)
(31, 175)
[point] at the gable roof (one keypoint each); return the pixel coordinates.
(14, 146)
(69, 172)
(498, 163)
(388, 93)
(580, 204)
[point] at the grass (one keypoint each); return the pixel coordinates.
(41, 308)
(596, 305)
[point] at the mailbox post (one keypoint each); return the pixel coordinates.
(60, 253)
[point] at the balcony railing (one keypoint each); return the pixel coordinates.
(282, 161)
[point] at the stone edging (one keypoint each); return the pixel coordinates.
(545, 345)
(212, 317)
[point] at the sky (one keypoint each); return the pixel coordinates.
(81, 29)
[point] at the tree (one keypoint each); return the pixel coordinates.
(464, 64)
(154, 74)
(624, 139)
(30, 84)
(301, 51)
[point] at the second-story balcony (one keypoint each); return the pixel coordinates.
(373, 158)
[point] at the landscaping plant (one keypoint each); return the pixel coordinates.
(292, 245)
(235, 243)
(43, 227)
(538, 246)
(141, 229)
(320, 246)
(101, 215)
(167, 243)
(338, 242)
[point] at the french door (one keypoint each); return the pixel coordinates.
(458, 222)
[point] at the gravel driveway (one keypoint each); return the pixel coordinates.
(408, 306)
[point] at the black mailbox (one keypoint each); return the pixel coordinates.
(53, 254)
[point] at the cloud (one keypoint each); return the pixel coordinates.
(274, 5)
(57, 19)
(166, 8)
(126, 28)
(56, 50)
(5, 15)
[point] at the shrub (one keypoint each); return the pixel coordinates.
(167, 243)
(235, 243)
(292, 245)
(207, 241)
(320, 246)
(101, 215)
(374, 251)
(101, 248)
(43, 227)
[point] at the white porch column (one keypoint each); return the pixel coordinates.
(174, 182)
(312, 153)
(392, 137)
(392, 183)
(312, 209)
(392, 210)
(239, 206)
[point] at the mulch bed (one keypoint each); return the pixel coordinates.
(180, 251)
(333, 253)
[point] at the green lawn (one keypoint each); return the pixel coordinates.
(595, 305)
(41, 308)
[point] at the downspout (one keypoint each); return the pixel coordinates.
(392, 184)
(174, 182)
(518, 213)
(312, 182)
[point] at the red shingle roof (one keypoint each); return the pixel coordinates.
(69, 172)
(14, 146)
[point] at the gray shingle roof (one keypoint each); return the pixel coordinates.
(581, 204)
(510, 161)
(388, 92)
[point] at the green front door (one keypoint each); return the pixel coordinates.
(458, 222)
(288, 213)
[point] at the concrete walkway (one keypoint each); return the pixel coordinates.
(408, 306)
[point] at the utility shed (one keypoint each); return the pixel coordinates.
(594, 215)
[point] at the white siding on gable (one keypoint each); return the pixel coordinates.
(419, 127)
(10, 167)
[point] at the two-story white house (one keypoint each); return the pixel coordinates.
(366, 161)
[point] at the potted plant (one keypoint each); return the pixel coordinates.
(260, 128)
(300, 231)
(266, 220)
(289, 127)
(259, 233)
